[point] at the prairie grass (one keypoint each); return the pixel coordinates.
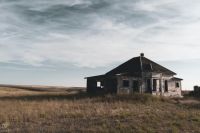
(58, 111)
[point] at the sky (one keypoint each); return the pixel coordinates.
(59, 42)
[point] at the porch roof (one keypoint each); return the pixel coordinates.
(96, 77)
(177, 79)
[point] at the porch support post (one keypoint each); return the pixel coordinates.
(119, 84)
(151, 84)
(141, 85)
(161, 88)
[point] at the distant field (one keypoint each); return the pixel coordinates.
(59, 109)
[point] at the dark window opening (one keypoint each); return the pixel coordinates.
(166, 86)
(154, 84)
(135, 85)
(177, 85)
(125, 83)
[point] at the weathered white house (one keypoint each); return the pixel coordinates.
(140, 75)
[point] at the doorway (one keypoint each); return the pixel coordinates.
(135, 86)
(166, 86)
(149, 88)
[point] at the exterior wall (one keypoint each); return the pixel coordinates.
(162, 79)
(173, 91)
(107, 85)
(110, 85)
(160, 88)
(126, 90)
(91, 85)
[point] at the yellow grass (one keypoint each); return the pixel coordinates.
(23, 110)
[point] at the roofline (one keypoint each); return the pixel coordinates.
(168, 71)
(175, 78)
(95, 76)
(140, 64)
(161, 66)
(119, 65)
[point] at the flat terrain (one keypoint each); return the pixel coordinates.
(57, 109)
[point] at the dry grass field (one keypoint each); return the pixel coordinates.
(49, 110)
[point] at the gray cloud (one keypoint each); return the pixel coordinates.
(96, 33)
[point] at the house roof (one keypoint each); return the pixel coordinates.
(139, 64)
(96, 77)
(176, 79)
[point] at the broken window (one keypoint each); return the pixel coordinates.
(98, 84)
(177, 85)
(125, 83)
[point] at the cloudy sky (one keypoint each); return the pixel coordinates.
(59, 42)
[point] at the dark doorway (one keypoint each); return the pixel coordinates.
(166, 86)
(154, 84)
(135, 86)
(149, 88)
(177, 85)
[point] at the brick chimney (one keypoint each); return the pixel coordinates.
(142, 54)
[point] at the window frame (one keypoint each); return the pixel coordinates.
(99, 84)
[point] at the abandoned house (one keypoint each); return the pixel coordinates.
(138, 75)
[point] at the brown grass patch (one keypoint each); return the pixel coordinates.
(74, 111)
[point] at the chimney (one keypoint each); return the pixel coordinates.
(142, 54)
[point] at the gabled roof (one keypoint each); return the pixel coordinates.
(138, 65)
